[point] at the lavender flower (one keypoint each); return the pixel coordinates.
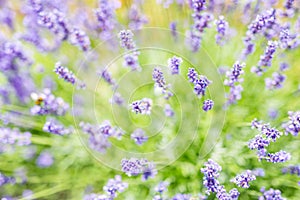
(54, 127)
(193, 40)
(6, 180)
(292, 169)
(126, 39)
(107, 77)
(192, 75)
(243, 179)
(65, 73)
(139, 136)
(80, 39)
(258, 143)
(266, 59)
(270, 133)
(198, 5)
(233, 81)
(117, 99)
(162, 187)
(136, 18)
(277, 157)
(135, 167)
(94, 196)
(275, 82)
(292, 126)
(174, 64)
(115, 185)
(149, 171)
(131, 61)
(211, 171)
(234, 194)
(173, 28)
(222, 29)
(233, 76)
(169, 112)
(207, 105)
(271, 194)
(44, 160)
(14, 136)
(106, 16)
(47, 103)
(201, 85)
(142, 106)
(283, 66)
(202, 21)
(99, 134)
(258, 172)
(158, 77)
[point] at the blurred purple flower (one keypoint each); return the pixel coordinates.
(45, 159)
(142, 106)
(139, 136)
(174, 64)
(293, 125)
(243, 179)
(207, 105)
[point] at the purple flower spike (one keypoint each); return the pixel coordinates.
(266, 59)
(271, 194)
(276, 82)
(126, 39)
(292, 126)
(139, 136)
(54, 127)
(65, 73)
(211, 171)
(115, 186)
(243, 179)
(169, 112)
(80, 39)
(201, 85)
(277, 157)
(44, 160)
(198, 5)
(207, 105)
(222, 29)
(142, 106)
(174, 63)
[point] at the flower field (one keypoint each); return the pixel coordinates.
(150, 99)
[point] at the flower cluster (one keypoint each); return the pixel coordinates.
(158, 78)
(293, 126)
(276, 81)
(126, 42)
(211, 172)
(234, 82)
(263, 140)
(207, 105)
(174, 64)
(14, 136)
(243, 179)
(115, 185)
(106, 19)
(99, 135)
(169, 112)
(266, 59)
(45, 159)
(46, 15)
(200, 82)
(142, 106)
(135, 167)
(112, 188)
(117, 99)
(54, 127)
(6, 180)
(292, 169)
(105, 74)
(136, 18)
(14, 63)
(222, 30)
(271, 194)
(139, 136)
(65, 73)
(260, 24)
(46, 103)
